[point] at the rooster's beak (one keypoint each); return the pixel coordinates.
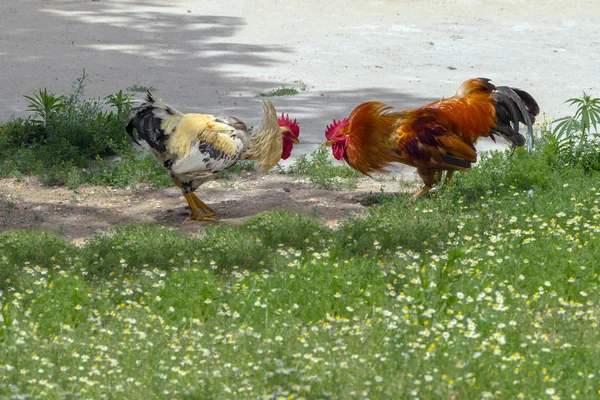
(329, 143)
(296, 141)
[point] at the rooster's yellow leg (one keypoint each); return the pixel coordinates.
(421, 192)
(176, 182)
(199, 203)
(428, 177)
(206, 208)
(196, 216)
(448, 176)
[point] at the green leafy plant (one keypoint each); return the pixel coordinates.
(43, 105)
(121, 101)
(323, 171)
(579, 126)
(82, 129)
(284, 91)
(18, 133)
(574, 139)
(68, 132)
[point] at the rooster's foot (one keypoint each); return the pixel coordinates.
(205, 217)
(421, 192)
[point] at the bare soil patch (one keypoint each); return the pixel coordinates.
(79, 214)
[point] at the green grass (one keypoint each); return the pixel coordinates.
(488, 289)
(130, 169)
(140, 88)
(323, 171)
(284, 91)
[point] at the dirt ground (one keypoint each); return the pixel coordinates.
(79, 214)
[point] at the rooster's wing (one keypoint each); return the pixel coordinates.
(426, 143)
(202, 145)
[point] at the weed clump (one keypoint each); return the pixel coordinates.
(66, 133)
(574, 140)
(284, 91)
(70, 140)
(324, 172)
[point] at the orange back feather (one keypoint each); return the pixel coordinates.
(469, 117)
(376, 134)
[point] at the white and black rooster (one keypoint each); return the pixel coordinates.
(194, 147)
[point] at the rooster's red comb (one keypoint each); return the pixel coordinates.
(286, 121)
(335, 127)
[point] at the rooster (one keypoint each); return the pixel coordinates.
(195, 147)
(434, 138)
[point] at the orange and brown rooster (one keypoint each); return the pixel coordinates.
(434, 138)
(195, 147)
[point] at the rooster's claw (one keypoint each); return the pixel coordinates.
(201, 218)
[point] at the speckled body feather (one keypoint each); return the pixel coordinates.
(194, 147)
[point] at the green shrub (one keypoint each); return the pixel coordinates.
(69, 129)
(84, 127)
(64, 140)
(21, 162)
(18, 133)
(323, 171)
(574, 139)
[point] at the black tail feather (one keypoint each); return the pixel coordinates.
(514, 106)
(530, 104)
(147, 125)
(150, 97)
(457, 162)
(129, 130)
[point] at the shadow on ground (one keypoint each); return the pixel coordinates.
(80, 214)
(154, 44)
(158, 45)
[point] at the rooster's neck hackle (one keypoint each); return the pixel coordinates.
(266, 143)
(265, 148)
(371, 131)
